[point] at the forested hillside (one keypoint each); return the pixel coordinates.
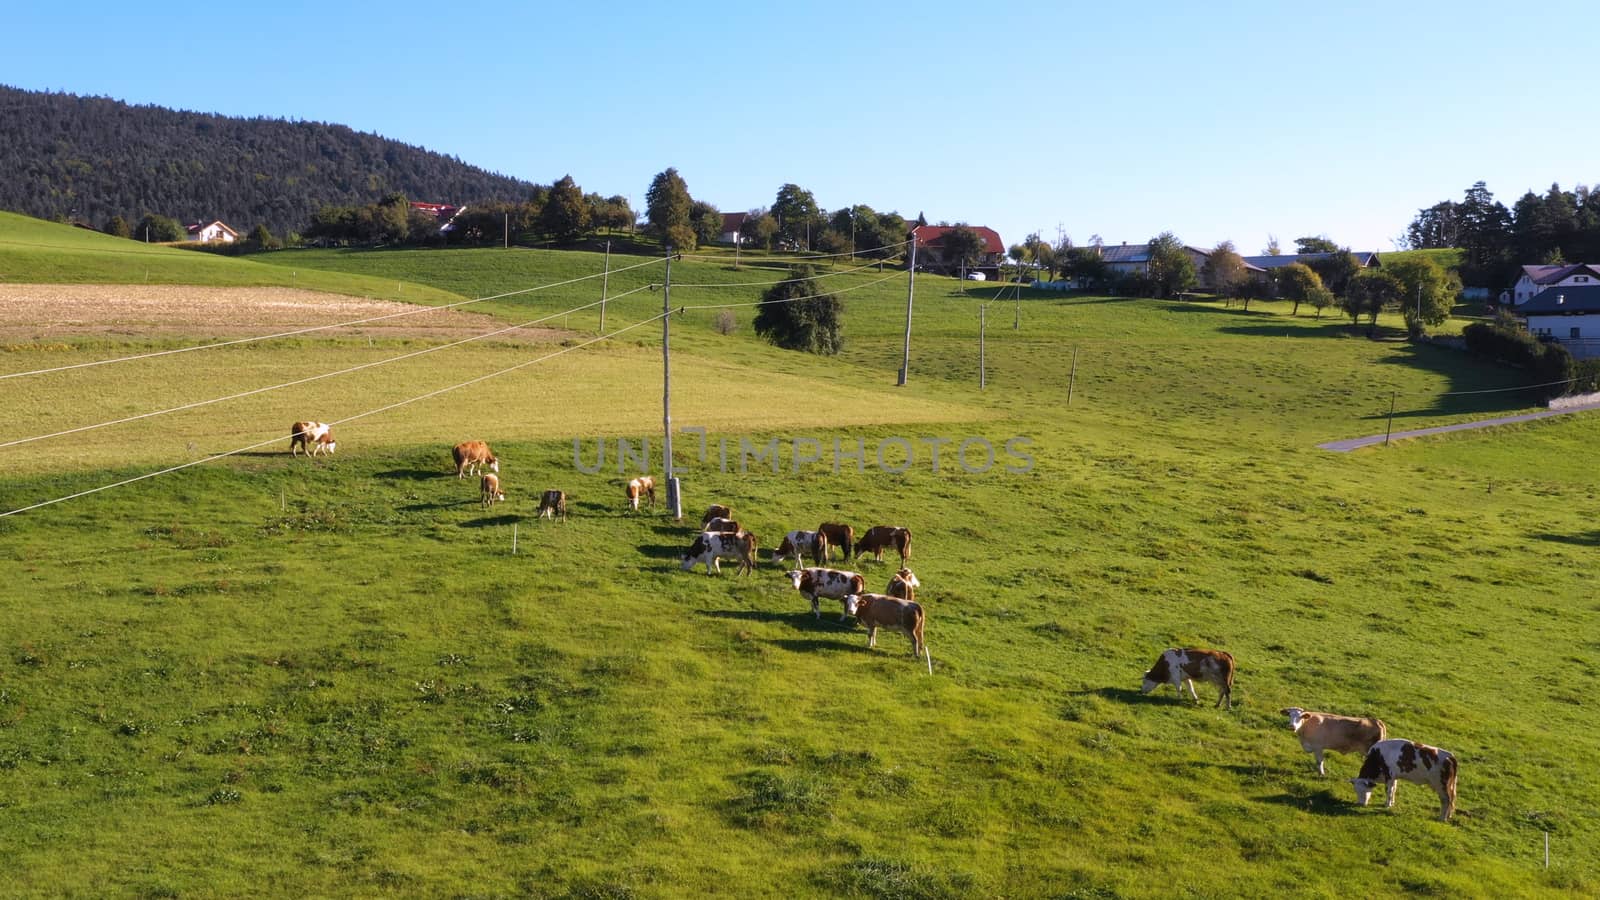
(91, 158)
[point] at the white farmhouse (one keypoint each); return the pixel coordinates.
(1535, 279)
(1568, 315)
(214, 230)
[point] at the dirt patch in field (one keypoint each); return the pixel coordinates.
(43, 311)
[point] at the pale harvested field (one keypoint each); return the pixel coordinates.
(38, 312)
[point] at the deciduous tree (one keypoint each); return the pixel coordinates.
(1225, 271)
(1299, 282)
(1426, 292)
(797, 315)
(1170, 269)
(1318, 244)
(565, 215)
(797, 213)
(667, 202)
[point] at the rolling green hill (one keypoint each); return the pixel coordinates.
(334, 677)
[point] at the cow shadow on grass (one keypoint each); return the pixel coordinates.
(1591, 539)
(1322, 803)
(412, 474)
(1132, 695)
(664, 551)
(492, 521)
(801, 620)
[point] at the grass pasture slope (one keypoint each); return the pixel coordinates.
(278, 676)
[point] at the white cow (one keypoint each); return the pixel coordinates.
(1396, 760)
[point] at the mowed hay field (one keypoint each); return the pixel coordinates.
(265, 675)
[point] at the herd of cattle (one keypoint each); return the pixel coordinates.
(1385, 760)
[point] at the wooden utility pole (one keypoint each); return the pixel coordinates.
(983, 327)
(1390, 428)
(605, 283)
(1072, 379)
(911, 289)
(506, 233)
(1016, 321)
(674, 501)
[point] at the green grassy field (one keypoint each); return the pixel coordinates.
(272, 676)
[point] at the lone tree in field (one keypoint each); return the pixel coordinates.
(1424, 284)
(1368, 293)
(1170, 269)
(565, 215)
(668, 205)
(962, 247)
(1299, 283)
(1225, 270)
(796, 315)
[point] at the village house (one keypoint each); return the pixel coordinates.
(444, 213)
(931, 255)
(215, 230)
(1568, 315)
(1537, 279)
(731, 225)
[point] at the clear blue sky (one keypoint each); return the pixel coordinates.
(1116, 119)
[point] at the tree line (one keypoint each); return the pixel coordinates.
(1558, 226)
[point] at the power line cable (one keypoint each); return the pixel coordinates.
(284, 334)
(790, 299)
(362, 415)
(703, 257)
(725, 284)
(299, 381)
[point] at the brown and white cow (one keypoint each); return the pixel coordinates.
(552, 504)
(1395, 760)
(489, 489)
(313, 437)
(1180, 667)
(711, 547)
(721, 524)
(835, 584)
(839, 535)
(882, 611)
(472, 456)
(882, 537)
(643, 486)
(1320, 732)
(716, 511)
(800, 544)
(903, 584)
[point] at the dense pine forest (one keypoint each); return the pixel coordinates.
(92, 158)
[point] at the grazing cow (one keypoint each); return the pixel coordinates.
(1397, 759)
(1320, 732)
(840, 536)
(881, 611)
(1180, 667)
(800, 543)
(313, 437)
(710, 547)
(880, 538)
(716, 511)
(471, 455)
(552, 504)
(643, 486)
(721, 524)
(835, 584)
(903, 584)
(489, 490)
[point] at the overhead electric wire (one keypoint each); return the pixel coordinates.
(216, 456)
(299, 381)
(705, 257)
(284, 334)
(790, 299)
(725, 284)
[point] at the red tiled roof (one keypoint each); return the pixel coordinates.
(928, 235)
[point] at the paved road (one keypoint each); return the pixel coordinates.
(1349, 444)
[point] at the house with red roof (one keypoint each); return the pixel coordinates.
(732, 223)
(931, 256)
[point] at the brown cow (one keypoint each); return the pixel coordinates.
(710, 547)
(552, 504)
(721, 524)
(313, 437)
(643, 486)
(840, 536)
(716, 511)
(1320, 732)
(880, 611)
(835, 584)
(489, 490)
(471, 455)
(880, 538)
(1397, 759)
(800, 543)
(1180, 667)
(903, 584)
